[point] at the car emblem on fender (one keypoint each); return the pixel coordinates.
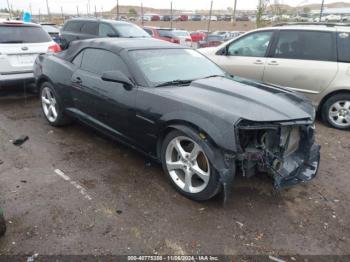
(24, 48)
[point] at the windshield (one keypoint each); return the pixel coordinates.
(165, 65)
(214, 38)
(50, 28)
(23, 34)
(129, 30)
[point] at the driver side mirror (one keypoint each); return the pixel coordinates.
(222, 51)
(117, 77)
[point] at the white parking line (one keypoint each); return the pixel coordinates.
(81, 189)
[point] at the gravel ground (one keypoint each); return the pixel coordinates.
(71, 191)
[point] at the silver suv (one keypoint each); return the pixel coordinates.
(20, 43)
(310, 58)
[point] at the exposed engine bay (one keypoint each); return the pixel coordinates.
(286, 151)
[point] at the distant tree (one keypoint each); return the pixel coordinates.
(4, 10)
(306, 10)
(132, 12)
(261, 9)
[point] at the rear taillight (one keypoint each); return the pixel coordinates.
(55, 48)
(188, 40)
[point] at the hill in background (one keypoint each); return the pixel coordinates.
(129, 9)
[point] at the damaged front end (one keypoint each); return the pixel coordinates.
(285, 150)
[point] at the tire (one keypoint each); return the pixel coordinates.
(199, 189)
(48, 102)
(336, 111)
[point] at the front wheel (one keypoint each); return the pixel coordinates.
(336, 111)
(188, 167)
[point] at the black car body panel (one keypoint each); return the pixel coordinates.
(217, 108)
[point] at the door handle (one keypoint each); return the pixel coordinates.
(273, 63)
(258, 62)
(77, 80)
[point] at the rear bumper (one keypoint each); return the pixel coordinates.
(11, 78)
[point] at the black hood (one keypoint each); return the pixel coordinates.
(244, 99)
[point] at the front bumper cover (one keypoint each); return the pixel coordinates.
(292, 169)
(297, 170)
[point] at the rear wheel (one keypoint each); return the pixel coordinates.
(188, 167)
(52, 109)
(336, 111)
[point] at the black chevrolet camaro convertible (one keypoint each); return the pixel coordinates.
(176, 106)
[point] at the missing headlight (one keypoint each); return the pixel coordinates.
(290, 138)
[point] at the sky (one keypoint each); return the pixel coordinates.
(69, 6)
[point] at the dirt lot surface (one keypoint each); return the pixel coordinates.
(203, 25)
(71, 191)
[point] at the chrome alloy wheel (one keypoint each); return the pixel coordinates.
(49, 104)
(187, 164)
(339, 113)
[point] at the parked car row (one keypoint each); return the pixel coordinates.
(304, 18)
(196, 17)
(181, 37)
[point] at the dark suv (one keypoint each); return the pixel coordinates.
(85, 28)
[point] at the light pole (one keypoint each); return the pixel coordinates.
(48, 9)
(171, 15)
(211, 9)
(62, 13)
(142, 22)
(234, 11)
(117, 9)
(9, 8)
(321, 11)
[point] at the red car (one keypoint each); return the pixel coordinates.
(183, 17)
(170, 35)
(155, 18)
(197, 36)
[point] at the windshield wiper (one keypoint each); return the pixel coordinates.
(141, 36)
(175, 82)
(11, 42)
(213, 76)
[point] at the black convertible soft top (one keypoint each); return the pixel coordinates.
(114, 45)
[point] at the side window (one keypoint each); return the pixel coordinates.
(73, 26)
(306, 45)
(164, 33)
(254, 45)
(149, 31)
(90, 28)
(99, 61)
(105, 30)
(343, 41)
(77, 60)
